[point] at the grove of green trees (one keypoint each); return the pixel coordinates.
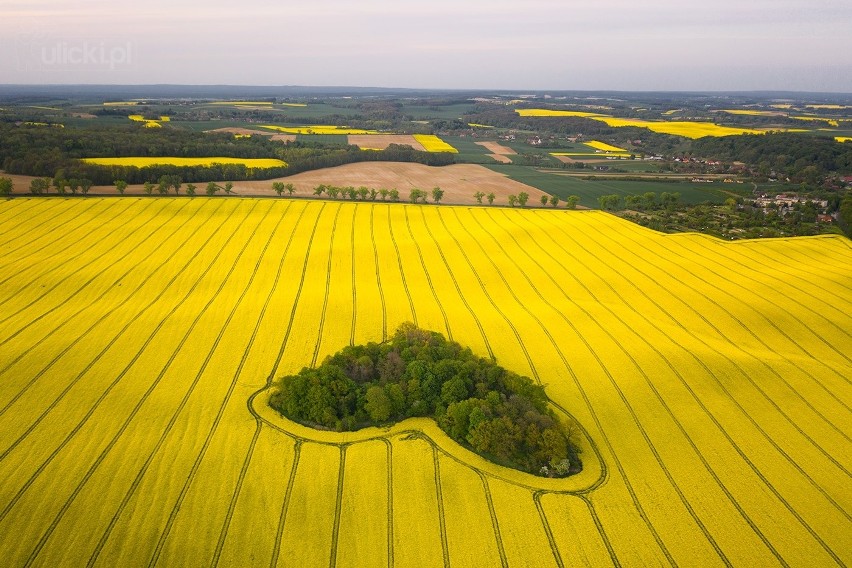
(499, 414)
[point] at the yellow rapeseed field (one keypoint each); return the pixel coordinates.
(319, 129)
(144, 161)
(434, 144)
(689, 129)
(709, 381)
(604, 147)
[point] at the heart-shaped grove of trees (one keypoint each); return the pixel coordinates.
(498, 414)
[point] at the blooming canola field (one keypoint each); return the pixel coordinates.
(709, 383)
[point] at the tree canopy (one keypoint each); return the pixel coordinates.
(499, 414)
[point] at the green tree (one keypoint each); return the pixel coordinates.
(394, 194)
(60, 183)
(190, 189)
(120, 185)
(571, 202)
(332, 191)
(39, 186)
(523, 197)
(163, 185)
(319, 190)
(544, 200)
(416, 195)
(554, 200)
(478, 196)
(384, 193)
(378, 404)
(437, 194)
(373, 194)
(490, 198)
(845, 214)
(229, 187)
(6, 186)
(513, 199)
(148, 187)
(363, 192)
(290, 189)
(278, 186)
(74, 185)
(212, 188)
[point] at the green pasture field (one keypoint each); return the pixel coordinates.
(443, 112)
(589, 191)
(469, 151)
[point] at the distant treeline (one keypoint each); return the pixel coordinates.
(787, 153)
(43, 152)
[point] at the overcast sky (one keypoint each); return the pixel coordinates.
(803, 45)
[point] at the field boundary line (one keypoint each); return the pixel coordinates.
(428, 276)
(495, 522)
(378, 275)
(335, 531)
(328, 266)
(401, 270)
(439, 494)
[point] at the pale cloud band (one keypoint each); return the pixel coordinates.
(538, 44)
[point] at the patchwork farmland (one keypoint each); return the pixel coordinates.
(139, 337)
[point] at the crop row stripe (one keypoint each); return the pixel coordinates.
(88, 330)
(252, 445)
(45, 537)
(378, 274)
(684, 501)
(520, 344)
(639, 369)
(85, 370)
(354, 290)
(401, 271)
(321, 323)
(769, 368)
(720, 383)
(428, 276)
(88, 235)
(203, 451)
(32, 230)
(700, 455)
(129, 246)
(279, 534)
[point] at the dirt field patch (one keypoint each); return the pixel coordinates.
(459, 181)
(497, 148)
(502, 158)
(235, 130)
(382, 141)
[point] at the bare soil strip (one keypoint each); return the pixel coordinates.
(459, 182)
(382, 141)
(496, 148)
